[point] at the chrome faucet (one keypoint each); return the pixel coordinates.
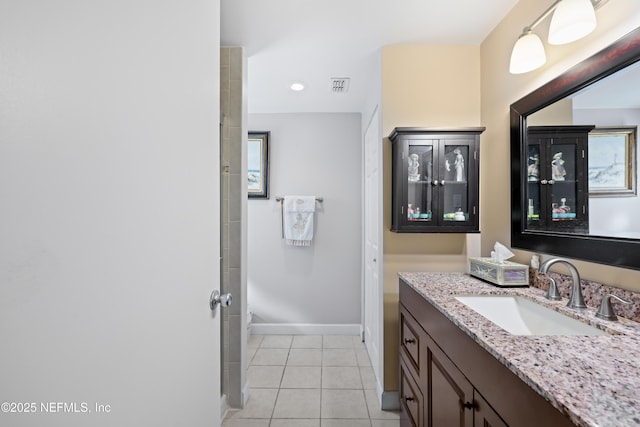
(606, 309)
(576, 301)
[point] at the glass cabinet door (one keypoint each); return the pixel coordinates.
(420, 190)
(534, 195)
(563, 184)
(556, 186)
(454, 181)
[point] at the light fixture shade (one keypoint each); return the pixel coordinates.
(572, 20)
(527, 54)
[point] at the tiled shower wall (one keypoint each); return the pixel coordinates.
(232, 197)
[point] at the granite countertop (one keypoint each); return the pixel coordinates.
(595, 380)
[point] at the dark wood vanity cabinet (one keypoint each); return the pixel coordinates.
(484, 415)
(557, 187)
(435, 180)
(433, 391)
(447, 379)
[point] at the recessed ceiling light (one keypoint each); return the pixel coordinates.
(297, 87)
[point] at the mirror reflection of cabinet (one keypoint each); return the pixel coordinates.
(557, 182)
(613, 72)
(435, 180)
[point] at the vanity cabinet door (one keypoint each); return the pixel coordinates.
(435, 180)
(450, 394)
(484, 415)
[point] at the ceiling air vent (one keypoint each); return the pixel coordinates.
(339, 84)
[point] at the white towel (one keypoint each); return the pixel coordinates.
(298, 219)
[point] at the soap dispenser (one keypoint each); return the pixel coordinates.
(535, 261)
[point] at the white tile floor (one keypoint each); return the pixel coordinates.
(310, 381)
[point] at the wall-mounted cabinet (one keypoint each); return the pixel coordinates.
(557, 189)
(435, 180)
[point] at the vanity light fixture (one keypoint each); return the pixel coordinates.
(297, 86)
(571, 20)
(528, 53)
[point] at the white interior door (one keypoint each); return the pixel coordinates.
(109, 221)
(373, 292)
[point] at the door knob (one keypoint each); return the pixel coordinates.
(217, 299)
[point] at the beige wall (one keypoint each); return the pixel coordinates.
(500, 89)
(559, 113)
(422, 86)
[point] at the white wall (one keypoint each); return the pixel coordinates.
(310, 154)
(374, 99)
(109, 219)
(612, 215)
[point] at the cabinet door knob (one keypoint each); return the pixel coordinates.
(469, 405)
(408, 399)
(435, 182)
(544, 181)
(409, 341)
(442, 182)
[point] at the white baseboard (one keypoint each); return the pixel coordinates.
(245, 394)
(224, 407)
(304, 329)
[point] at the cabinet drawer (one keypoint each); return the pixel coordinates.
(411, 400)
(410, 339)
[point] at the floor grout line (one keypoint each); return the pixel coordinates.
(321, 390)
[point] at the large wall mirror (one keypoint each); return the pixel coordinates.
(574, 161)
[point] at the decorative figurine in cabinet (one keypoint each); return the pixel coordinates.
(557, 187)
(435, 180)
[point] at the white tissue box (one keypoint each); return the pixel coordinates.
(506, 274)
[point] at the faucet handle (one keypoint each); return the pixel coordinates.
(606, 311)
(553, 293)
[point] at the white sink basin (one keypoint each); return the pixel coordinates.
(521, 316)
